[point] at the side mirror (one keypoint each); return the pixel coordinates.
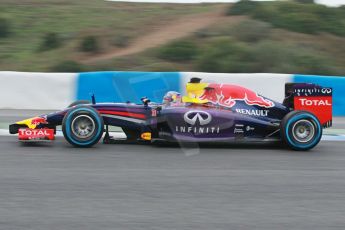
(93, 99)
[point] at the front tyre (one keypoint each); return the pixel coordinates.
(300, 130)
(82, 126)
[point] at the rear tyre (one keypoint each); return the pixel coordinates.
(300, 130)
(82, 126)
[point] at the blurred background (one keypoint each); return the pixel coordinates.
(297, 36)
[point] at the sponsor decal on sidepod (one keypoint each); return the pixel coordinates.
(198, 121)
(239, 129)
(253, 112)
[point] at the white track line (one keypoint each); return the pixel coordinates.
(4, 132)
(328, 137)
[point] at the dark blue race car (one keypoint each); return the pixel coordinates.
(207, 113)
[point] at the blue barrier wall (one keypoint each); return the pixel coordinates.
(338, 85)
(131, 86)
(126, 86)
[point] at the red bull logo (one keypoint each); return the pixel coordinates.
(38, 121)
(227, 95)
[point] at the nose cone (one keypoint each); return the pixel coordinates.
(32, 123)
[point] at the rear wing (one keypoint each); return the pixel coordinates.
(312, 98)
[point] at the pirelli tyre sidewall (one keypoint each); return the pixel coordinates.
(293, 138)
(82, 126)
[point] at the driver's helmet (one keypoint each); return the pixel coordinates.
(171, 97)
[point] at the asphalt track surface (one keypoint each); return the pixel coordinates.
(55, 186)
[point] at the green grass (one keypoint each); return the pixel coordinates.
(31, 20)
(269, 39)
(227, 48)
(295, 16)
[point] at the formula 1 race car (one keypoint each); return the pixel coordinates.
(208, 112)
